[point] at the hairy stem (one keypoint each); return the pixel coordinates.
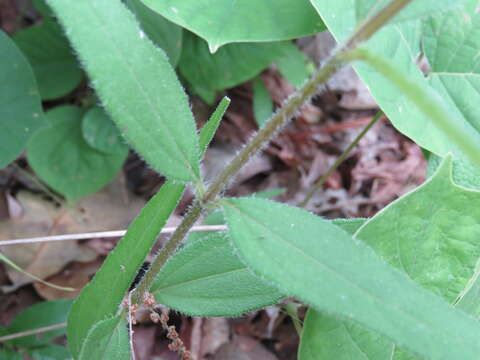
(273, 125)
(339, 160)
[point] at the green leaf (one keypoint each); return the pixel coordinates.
(108, 339)
(50, 352)
(20, 107)
(322, 265)
(54, 64)
(206, 278)
(328, 337)
(162, 32)
(62, 158)
(210, 128)
(101, 133)
(431, 234)
(220, 21)
(39, 315)
(135, 82)
(400, 42)
(101, 298)
(228, 67)
(294, 65)
(464, 173)
(262, 102)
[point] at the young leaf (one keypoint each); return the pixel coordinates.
(53, 62)
(206, 278)
(162, 32)
(37, 316)
(101, 133)
(262, 102)
(108, 339)
(136, 83)
(20, 107)
(210, 128)
(62, 158)
(101, 298)
(230, 66)
(322, 265)
(207, 19)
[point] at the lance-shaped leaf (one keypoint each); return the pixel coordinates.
(101, 298)
(135, 82)
(225, 21)
(20, 105)
(321, 264)
(431, 234)
(210, 128)
(206, 278)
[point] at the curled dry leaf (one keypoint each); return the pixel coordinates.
(109, 209)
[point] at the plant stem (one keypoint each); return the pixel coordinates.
(339, 160)
(32, 332)
(273, 125)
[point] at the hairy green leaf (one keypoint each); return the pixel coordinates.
(211, 126)
(20, 107)
(62, 158)
(108, 339)
(101, 133)
(321, 264)
(54, 64)
(135, 82)
(162, 32)
(206, 278)
(225, 21)
(101, 298)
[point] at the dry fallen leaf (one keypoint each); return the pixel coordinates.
(109, 209)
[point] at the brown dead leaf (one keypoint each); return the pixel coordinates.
(109, 209)
(244, 348)
(76, 275)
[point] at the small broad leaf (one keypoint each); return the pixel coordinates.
(54, 64)
(324, 266)
(62, 158)
(224, 21)
(101, 133)
(262, 102)
(101, 298)
(39, 315)
(294, 65)
(20, 107)
(7, 354)
(162, 32)
(206, 278)
(135, 82)
(230, 66)
(210, 128)
(108, 339)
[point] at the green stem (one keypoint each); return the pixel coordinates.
(339, 160)
(273, 125)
